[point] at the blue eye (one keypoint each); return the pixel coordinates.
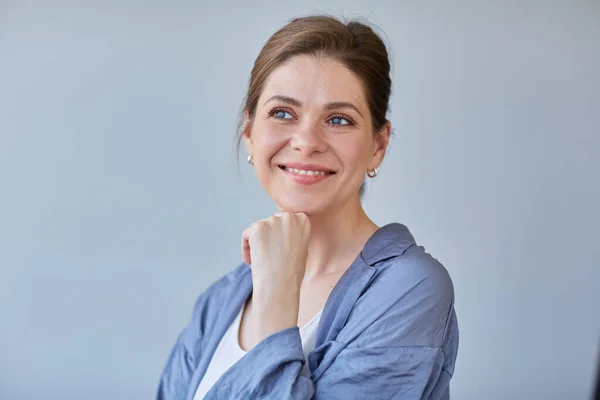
(281, 114)
(339, 121)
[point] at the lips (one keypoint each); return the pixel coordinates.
(306, 169)
(306, 174)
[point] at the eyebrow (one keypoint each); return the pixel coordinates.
(329, 106)
(342, 104)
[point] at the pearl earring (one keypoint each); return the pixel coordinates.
(250, 160)
(373, 173)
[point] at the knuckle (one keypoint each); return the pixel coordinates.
(259, 227)
(285, 216)
(263, 224)
(303, 218)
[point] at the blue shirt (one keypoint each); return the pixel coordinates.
(388, 331)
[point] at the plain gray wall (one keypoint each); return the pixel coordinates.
(121, 200)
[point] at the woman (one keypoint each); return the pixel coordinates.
(326, 303)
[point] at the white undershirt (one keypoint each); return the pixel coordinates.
(228, 352)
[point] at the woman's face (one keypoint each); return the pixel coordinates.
(312, 138)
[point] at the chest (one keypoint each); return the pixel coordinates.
(313, 296)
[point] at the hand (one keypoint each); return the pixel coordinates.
(277, 249)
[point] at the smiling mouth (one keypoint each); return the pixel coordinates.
(305, 172)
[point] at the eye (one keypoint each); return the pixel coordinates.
(339, 120)
(279, 113)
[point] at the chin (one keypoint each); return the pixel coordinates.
(299, 205)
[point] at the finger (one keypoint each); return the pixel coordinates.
(246, 252)
(303, 219)
(280, 215)
(246, 246)
(248, 237)
(277, 218)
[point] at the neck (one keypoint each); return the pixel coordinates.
(336, 238)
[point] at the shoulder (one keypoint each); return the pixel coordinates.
(414, 270)
(410, 298)
(227, 281)
(400, 263)
(222, 288)
(210, 303)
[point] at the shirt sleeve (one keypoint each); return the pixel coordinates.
(272, 369)
(407, 352)
(403, 372)
(177, 373)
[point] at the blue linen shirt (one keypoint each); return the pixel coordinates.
(388, 331)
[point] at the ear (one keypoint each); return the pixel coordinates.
(247, 130)
(380, 144)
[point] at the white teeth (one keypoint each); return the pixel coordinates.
(304, 172)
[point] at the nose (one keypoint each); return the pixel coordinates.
(308, 139)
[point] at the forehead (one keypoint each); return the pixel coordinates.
(314, 80)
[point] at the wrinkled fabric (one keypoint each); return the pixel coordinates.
(388, 331)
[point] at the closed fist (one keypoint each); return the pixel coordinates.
(277, 248)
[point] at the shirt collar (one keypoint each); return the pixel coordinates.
(389, 241)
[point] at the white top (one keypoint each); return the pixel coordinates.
(228, 352)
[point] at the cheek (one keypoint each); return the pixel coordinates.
(355, 154)
(267, 141)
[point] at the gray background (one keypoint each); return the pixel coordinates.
(121, 199)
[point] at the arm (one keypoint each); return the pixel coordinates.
(271, 370)
(399, 343)
(177, 374)
(397, 372)
(175, 378)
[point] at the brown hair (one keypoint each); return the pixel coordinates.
(354, 44)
